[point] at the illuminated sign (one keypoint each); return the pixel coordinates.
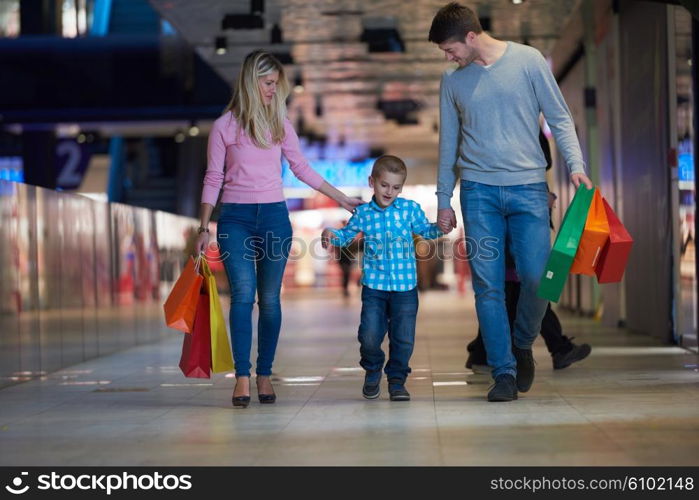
(339, 173)
(686, 167)
(11, 168)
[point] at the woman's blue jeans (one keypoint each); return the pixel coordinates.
(519, 215)
(254, 240)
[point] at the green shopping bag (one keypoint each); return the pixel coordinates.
(221, 360)
(566, 245)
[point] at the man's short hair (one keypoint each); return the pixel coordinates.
(452, 23)
(388, 163)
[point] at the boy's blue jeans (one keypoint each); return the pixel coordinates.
(492, 215)
(395, 313)
(254, 240)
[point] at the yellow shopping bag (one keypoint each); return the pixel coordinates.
(221, 359)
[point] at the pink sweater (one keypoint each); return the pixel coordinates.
(248, 173)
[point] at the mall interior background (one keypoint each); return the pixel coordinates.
(105, 107)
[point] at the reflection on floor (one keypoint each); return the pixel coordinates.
(632, 402)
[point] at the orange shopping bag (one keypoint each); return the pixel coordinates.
(594, 237)
(181, 305)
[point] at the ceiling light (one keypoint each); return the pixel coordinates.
(221, 45)
(298, 84)
(193, 131)
(257, 6)
(517, 2)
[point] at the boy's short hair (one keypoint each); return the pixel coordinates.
(389, 163)
(452, 23)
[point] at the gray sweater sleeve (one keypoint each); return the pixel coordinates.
(557, 114)
(449, 133)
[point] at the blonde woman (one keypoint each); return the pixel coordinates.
(254, 233)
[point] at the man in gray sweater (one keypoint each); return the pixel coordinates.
(489, 136)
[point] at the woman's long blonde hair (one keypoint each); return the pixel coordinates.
(263, 124)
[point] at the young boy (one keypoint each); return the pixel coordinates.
(389, 277)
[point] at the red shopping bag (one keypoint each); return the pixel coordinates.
(612, 262)
(195, 361)
(181, 304)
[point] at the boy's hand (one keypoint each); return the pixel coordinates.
(325, 237)
(446, 220)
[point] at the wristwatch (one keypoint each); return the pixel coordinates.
(202, 229)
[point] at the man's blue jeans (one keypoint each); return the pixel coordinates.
(395, 313)
(519, 215)
(254, 239)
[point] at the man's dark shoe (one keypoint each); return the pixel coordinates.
(397, 391)
(504, 389)
(525, 368)
(372, 385)
(575, 353)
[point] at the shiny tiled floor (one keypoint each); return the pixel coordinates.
(632, 402)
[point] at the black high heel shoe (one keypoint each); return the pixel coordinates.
(266, 399)
(241, 401)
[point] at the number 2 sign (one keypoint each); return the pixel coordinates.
(71, 162)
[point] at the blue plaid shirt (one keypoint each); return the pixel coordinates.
(389, 252)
